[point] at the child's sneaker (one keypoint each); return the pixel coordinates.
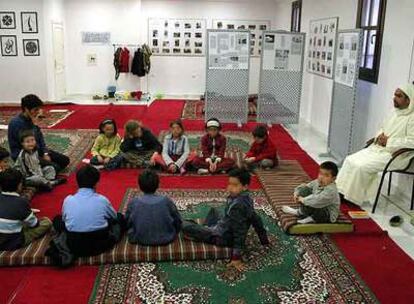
(99, 167)
(306, 220)
(290, 210)
(202, 171)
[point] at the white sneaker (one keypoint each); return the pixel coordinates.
(99, 167)
(306, 220)
(290, 210)
(202, 171)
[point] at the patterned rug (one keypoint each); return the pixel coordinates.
(294, 270)
(73, 143)
(194, 109)
(48, 119)
(238, 143)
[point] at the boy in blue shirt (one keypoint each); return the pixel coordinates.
(88, 218)
(152, 219)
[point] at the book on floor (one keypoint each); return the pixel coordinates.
(358, 214)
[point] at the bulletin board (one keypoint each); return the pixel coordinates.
(256, 28)
(343, 118)
(281, 76)
(227, 75)
(176, 37)
(322, 46)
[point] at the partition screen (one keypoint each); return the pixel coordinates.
(227, 79)
(342, 120)
(281, 77)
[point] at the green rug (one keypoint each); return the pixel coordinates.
(294, 270)
(73, 143)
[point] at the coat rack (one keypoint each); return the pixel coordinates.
(115, 45)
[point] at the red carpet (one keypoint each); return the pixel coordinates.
(386, 269)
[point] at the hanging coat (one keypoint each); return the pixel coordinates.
(146, 51)
(358, 178)
(117, 62)
(124, 61)
(137, 67)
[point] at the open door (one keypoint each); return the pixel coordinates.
(59, 60)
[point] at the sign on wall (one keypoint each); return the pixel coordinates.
(282, 52)
(228, 50)
(96, 37)
(346, 66)
(177, 37)
(322, 46)
(256, 28)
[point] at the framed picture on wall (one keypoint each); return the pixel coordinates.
(7, 20)
(8, 45)
(29, 22)
(31, 47)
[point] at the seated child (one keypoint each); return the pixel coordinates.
(213, 147)
(152, 219)
(319, 199)
(140, 145)
(231, 229)
(18, 225)
(29, 164)
(263, 152)
(88, 218)
(106, 149)
(4, 159)
(175, 151)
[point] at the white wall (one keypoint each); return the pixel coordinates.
(120, 17)
(22, 75)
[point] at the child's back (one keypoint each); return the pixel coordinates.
(152, 220)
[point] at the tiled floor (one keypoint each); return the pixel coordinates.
(316, 144)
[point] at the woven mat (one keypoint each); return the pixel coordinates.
(48, 119)
(124, 252)
(279, 185)
(194, 109)
(73, 143)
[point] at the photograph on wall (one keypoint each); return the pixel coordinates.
(31, 47)
(230, 50)
(256, 28)
(182, 37)
(347, 58)
(8, 45)
(29, 22)
(7, 20)
(282, 51)
(322, 46)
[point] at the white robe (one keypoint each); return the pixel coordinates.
(358, 179)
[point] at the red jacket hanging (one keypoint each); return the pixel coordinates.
(124, 61)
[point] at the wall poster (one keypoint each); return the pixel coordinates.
(228, 50)
(322, 46)
(256, 28)
(177, 37)
(346, 66)
(282, 51)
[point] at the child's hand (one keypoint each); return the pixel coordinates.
(106, 160)
(172, 168)
(300, 199)
(250, 160)
(100, 159)
(47, 158)
(238, 264)
(213, 167)
(295, 198)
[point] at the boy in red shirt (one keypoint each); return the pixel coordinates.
(263, 152)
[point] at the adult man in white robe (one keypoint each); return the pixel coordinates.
(358, 178)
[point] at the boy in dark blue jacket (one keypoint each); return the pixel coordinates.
(152, 219)
(231, 229)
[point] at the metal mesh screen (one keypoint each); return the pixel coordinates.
(227, 90)
(279, 97)
(342, 125)
(280, 90)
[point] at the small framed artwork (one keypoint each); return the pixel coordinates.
(29, 22)
(8, 45)
(31, 47)
(7, 20)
